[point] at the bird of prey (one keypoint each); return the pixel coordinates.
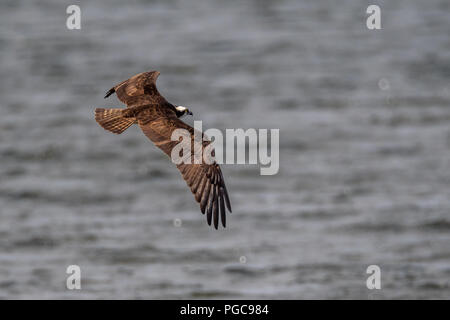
(158, 118)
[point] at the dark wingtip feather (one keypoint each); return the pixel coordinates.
(227, 198)
(210, 208)
(216, 208)
(209, 214)
(205, 197)
(222, 209)
(110, 92)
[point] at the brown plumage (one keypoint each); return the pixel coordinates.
(158, 119)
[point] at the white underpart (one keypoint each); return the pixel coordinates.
(180, 108)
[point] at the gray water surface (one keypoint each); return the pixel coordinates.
(364, 119)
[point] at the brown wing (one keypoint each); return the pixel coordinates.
(138, 90)
(205, 180)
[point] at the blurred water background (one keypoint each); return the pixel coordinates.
(364, 123)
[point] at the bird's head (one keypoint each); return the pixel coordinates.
(181, 111)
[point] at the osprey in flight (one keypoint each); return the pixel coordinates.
(158, 119)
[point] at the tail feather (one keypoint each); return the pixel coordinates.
(112, 120)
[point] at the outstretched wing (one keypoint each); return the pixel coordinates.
(138, 90)
(205, 180)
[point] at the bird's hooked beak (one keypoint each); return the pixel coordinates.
(189, 112)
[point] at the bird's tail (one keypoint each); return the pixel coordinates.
(112, 120)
